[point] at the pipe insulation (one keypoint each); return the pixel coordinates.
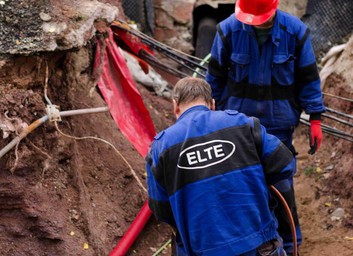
(42, 120)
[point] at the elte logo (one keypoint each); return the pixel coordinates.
(206, 154)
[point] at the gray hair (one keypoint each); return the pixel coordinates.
(190, 89)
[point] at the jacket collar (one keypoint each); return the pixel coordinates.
(191, 110)
(274, 32)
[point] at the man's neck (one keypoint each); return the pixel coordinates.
(184, 107)
(268, 24)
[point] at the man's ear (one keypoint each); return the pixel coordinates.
(213, 105)
(176, 108)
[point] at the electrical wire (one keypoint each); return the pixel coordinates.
(156, 63)
(162, 248)
(337, 119)
(183, 64)
(46, 84)
(203, 62)
(339, 113)
(162, 48)
(331, 131)
(128, 28)
(338, 97)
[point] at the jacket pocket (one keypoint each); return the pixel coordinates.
(285, 115)
(283, 69)
(239, 66)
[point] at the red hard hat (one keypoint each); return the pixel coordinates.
(255, 12)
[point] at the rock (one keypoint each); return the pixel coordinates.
(44, 16)
(50, 28)
(337, 214)
(329, 168)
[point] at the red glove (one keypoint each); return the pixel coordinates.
(315, 136)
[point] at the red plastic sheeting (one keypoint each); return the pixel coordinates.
(122, 97)
(129, 112)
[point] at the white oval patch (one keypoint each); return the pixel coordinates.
(206, 154)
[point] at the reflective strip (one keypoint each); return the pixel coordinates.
(260, 92)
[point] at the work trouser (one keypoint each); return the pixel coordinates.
(270, 248)
(287, 190)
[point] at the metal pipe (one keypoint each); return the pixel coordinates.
(42, 120)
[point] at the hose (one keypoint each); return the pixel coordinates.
(42, 120)
(290, 217)
(134, 230)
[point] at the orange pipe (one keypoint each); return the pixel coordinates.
(290, 217)
(131, 234)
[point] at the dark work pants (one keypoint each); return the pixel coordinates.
(270, 248)
(287, 190)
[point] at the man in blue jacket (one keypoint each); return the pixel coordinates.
(263, 65)
(208, 177)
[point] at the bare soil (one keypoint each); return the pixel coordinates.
(62, 193)
(63, 196)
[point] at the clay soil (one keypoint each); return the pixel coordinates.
(65, 196)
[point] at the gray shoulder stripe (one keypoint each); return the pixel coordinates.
(257, 136)
(279, 159)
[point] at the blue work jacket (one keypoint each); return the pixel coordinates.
(275, 82)
(207, 176)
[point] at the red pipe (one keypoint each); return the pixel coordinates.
(131, 234)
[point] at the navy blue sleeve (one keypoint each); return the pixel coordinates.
(217, 68)
(307, 75)
(277, 160)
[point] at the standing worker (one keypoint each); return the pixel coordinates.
(263, 65)
(208, 177)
